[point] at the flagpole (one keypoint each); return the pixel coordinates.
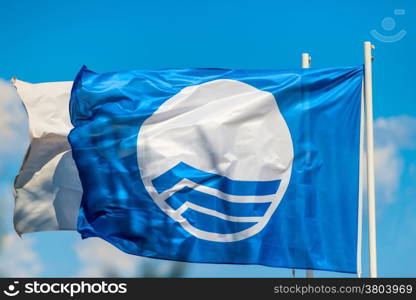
(306, 61)
(368, 92)
(306, 64)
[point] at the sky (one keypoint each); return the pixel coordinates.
(50, 41)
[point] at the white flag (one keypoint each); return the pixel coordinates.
(47, 189)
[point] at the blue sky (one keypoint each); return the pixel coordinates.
(51, 40)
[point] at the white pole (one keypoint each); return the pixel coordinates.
(306, 64)
(360, 188)
(306, 61)
(368, 92)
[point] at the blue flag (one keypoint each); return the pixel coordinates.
(221, 166)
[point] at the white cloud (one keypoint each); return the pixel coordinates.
(392, 135)
(14, 137)
(100, 259)
(388, 170)
(398, 130)
(17, 257)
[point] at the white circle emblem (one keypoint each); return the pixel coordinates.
(217, 159)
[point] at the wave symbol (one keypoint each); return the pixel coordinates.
(213, 202)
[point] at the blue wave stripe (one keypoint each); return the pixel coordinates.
(208, 201)
(233, 187)
(213, 224)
